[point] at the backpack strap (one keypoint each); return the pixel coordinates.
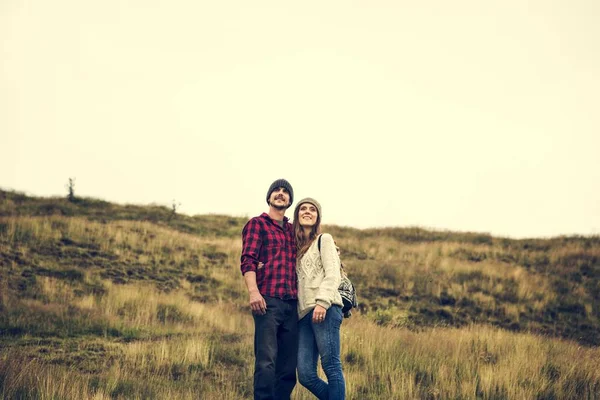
(342, 269)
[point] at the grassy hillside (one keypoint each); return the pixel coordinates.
(99, 300)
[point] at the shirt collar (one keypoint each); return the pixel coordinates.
(265, 215)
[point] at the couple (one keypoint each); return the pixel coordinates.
(292, 282)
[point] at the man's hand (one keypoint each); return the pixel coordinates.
(319, 314)
(257, 303)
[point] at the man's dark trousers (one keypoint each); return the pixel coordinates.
(276, 350)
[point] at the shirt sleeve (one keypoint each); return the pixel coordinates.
(251, 245)
(331, 265)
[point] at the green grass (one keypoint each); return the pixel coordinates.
(99, 300)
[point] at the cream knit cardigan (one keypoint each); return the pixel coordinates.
(318, 276)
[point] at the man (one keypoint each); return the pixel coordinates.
(268, 264)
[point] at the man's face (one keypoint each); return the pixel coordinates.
(280, 198)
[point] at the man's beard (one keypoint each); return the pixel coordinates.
(280, 208)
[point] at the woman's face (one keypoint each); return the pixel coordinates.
(307, 215)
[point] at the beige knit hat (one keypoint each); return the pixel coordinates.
(312, 201)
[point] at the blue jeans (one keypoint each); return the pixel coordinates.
(276, 350)
(323, 340)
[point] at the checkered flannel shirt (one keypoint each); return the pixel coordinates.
(264, 240)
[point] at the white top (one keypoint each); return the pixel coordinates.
(319, 276)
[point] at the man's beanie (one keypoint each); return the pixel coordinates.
(309, 200)
(284, 184)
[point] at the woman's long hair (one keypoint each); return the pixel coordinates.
(302, 242)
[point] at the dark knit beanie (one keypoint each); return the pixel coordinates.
(284, 184)
(312, 201)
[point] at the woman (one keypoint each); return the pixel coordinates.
(319, 304)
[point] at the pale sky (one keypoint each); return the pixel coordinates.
(456, 115)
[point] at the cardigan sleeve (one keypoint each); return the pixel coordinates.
(331, 265)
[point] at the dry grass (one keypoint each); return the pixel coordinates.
(132, 310)
(192, 352)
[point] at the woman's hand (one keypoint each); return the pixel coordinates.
(319, 314)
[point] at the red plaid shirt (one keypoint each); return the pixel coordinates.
(267, 242)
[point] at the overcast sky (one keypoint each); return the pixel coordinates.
(456, 115)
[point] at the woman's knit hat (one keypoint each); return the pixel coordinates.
(284, 184)
(309, 200)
